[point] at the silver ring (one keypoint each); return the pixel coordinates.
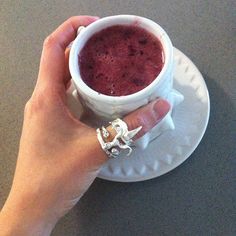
(121, 141)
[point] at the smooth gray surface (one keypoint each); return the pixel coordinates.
(197, 198)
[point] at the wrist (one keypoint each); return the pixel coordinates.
(19, 219)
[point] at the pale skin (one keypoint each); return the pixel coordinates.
(59, 156)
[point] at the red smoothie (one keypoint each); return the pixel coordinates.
(121, 60)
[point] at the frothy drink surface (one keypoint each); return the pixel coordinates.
(121, 60)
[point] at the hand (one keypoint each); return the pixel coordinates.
(59, 156)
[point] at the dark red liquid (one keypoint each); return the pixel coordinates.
(121, 60)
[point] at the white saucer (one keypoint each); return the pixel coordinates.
(173, 147)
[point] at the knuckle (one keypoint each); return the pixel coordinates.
(49, 42)
(39, 100)
(27, 107)
(31, 109)
(71, 19)
(140, 121)
(36, 104)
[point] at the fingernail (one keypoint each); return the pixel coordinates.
(161, 107)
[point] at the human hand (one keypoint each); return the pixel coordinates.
(59, 156)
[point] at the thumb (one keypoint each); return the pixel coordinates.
(147, 117)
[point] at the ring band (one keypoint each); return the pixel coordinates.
(121, 141)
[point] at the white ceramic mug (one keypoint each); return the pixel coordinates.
(107, 108)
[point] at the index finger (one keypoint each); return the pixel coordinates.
(53, 65)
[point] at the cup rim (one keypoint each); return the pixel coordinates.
(85, 89)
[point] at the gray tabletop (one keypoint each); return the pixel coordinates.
(198, 197)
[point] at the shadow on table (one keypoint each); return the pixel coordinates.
(197, 198)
